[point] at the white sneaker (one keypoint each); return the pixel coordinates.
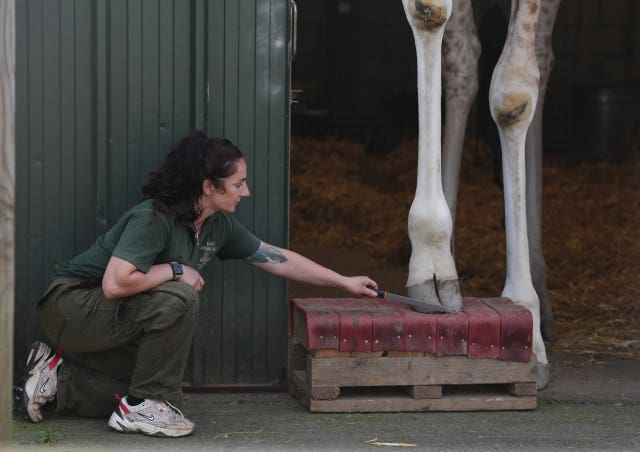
(151, 417)
(40, 380)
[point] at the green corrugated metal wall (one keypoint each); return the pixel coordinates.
(104, 87)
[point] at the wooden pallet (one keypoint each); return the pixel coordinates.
(408, 383)
(355, 355)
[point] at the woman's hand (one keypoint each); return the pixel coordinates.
(357, 285)
(192, 277)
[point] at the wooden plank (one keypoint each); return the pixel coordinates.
(136, 168)
(256, 210)
(150, 89)
(522, 389)
(397, 354)
(371, 354)
(247, 17)
(276, 146)
(230, 336)
(117, 56)
(464, 400)
(34, 149)
(84, 163)
(167, 133)
(296, 356)
(23, 278)
(215, 70)
(182, 28)
(7, 211)
(53, 205)
(426, 370)
(323, 392)
(231, 70)
(298, 387)
(329, 354)
(199, 61)
(101, 90)
(425, 391)
(68, 115)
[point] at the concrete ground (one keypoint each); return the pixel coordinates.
(590, 404)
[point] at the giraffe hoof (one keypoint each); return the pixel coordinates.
(445, 293)
(542, 375)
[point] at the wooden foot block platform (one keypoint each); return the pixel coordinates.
(354, 355)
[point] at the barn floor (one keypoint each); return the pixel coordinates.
(589, 405)
(349, 211)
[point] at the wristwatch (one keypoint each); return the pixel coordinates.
(176, 267)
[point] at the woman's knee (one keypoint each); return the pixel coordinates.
(167, 304)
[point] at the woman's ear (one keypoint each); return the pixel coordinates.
(207, 187)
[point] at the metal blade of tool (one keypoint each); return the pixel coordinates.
(417, 305)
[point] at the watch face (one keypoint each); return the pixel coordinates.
(177, 270)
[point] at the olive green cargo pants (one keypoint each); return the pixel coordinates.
(137, 345)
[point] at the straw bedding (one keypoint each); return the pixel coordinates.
(343, 198)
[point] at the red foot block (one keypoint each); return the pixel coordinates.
(387, 330)
(452, 334)
(355, 331)
(321, 322)
(487, 328)
(484, 329)
(420, 332)
(516, 329)
(370, 325)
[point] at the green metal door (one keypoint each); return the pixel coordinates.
(103, 90)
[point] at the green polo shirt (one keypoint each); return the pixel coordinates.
(145, 238)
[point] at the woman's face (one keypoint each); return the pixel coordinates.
(235, 188)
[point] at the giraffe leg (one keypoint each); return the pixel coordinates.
(460, 53)
(513, 98)
(432, 272)
(534, 226)
(545, 58)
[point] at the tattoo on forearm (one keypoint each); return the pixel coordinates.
(268, 254)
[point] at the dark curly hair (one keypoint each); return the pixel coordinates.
(176, 186)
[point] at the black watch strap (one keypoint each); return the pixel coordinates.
(176, 267)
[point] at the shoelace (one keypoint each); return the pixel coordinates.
(176, 411)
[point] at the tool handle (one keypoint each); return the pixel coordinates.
(379, 293)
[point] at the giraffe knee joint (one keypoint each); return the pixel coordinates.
(513, 109)
(429, 15)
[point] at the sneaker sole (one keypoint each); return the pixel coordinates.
(38, 353)
(122, 425)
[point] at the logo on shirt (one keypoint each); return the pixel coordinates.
(210, 247)
(207, 250)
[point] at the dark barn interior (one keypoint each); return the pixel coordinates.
(354, 129)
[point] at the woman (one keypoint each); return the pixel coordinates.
(124, 311)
